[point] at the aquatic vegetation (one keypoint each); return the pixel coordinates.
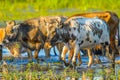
(33, 72)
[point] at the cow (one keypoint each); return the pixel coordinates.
(14, 48)
(83, 32)
(113, 22)
(32, 33)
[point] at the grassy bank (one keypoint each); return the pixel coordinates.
(24, 9)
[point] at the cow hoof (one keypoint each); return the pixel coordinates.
(67, 64)
(79, 63)
(88, 66)
(74, 65)
(35, 56)
(39, 60)
(64, 62)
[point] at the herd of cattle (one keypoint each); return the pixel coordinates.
(88, 31)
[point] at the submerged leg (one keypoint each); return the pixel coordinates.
(47, 52)
(79, 58)
(60, 48)
(29, 52)
(36, 55)
(76, 50)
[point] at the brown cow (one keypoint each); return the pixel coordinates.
(14, 48)
(32, 33)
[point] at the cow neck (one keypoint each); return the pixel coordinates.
(43, 38)
(17, 36)
(64, 34)
(42, 33)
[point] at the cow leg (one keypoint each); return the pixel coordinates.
(36, 55)
(90, 57)
(47, 52)
(71, 55)
(114, 49)
(107, 52)
(71, 52)
(64, 51)
(36, 52)
(76, 51)
(79, 59)
(60, 47)
(113, 46)
(29, 54)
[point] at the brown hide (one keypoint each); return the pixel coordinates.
(33, 33)
(2, 34)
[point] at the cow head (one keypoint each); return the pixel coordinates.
(9, 26)
(14, 48)
(60, 34)
(53, 26)
(11, 31)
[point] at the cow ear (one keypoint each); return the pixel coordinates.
(65, 24)
(61, 25)
(11, 23)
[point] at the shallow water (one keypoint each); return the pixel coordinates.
(17, 62)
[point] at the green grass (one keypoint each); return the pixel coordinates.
(33, 71)
(24, 9)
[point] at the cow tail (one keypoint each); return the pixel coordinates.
(118, 34)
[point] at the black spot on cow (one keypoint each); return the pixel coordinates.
(98, 25)
(102, 43)
(74, 28)
(73, 37)
(69, 29)
(106, 43)
(81, 43)
(94, 41)
(87, 39)
(105, 16)
(90, 41)
(77, 39)
(79, 30)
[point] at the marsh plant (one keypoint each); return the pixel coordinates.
(34, 71)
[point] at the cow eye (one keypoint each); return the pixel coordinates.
(12, 31)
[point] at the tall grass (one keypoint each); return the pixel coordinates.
(24, 9)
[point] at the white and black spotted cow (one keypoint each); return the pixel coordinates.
(85, 32)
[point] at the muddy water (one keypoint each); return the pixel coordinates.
(54, 63)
